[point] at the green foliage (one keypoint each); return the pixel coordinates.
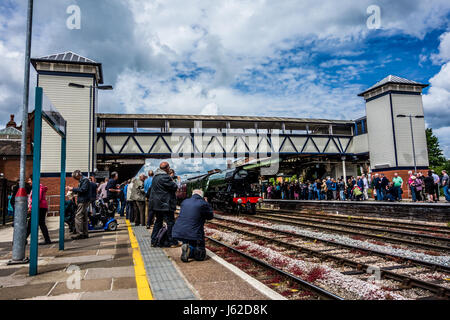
(435, 154)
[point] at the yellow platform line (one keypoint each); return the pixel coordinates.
(143, 287)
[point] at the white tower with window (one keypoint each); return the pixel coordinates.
(395, 119)
(77, 104)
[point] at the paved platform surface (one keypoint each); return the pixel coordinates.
(103, 264)
(106, 267)
(166, 282)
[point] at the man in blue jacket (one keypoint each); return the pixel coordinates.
(92, 193)
(384, 184)
(377, 183)
(333, 189)
(189, 227)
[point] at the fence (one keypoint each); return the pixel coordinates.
(53, 206)
(6, 190)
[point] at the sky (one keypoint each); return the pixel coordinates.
(291, 58)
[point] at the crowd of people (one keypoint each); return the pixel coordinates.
(148, 200)
(422, 188)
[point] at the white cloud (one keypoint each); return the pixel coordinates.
(211, 109)
(443, 135)
(187, 167)
(444, 50)
(175, 56)
(341, 62)
(11, 64)
(437, 100)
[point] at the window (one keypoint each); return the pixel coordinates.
(344, 130)
(319, 129)
(361, 127)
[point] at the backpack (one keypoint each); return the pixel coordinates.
(357, 191)
(162, 238)
(199, 254)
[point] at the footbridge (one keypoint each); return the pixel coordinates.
(122, 136)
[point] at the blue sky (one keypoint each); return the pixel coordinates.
(239, 57)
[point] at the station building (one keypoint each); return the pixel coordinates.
(379, 142)
(10, 143)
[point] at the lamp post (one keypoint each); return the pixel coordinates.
(91, 88)
(344, 170)
(410, 116)
(20, 214)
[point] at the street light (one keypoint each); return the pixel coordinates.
(82, 86)
(410, 116)
(20, 212)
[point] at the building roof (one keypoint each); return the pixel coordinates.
(10, 131)
(9, 148)
(112, 116)
(69, 57)
(391, 79)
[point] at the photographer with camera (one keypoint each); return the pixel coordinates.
(189, 227)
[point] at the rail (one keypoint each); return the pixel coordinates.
(309, 286)
(440, 291)
(432, 212)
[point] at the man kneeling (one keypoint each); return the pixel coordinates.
(189, 227)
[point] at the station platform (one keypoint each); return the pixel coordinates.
(121, 265)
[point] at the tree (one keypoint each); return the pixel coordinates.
(435, 154)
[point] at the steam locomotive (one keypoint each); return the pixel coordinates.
(229, 191)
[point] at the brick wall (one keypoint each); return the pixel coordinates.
(10, 167)
(405, 176)
(54, 185)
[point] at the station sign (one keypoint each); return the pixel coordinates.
(44, 109)
(52, 116)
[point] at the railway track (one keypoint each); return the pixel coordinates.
(298, 288)
(426, 241)
(359, 260)
(406, 225)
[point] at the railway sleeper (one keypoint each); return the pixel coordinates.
(341, 224)
(425, 245)
(394, 258)
(404, 280)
